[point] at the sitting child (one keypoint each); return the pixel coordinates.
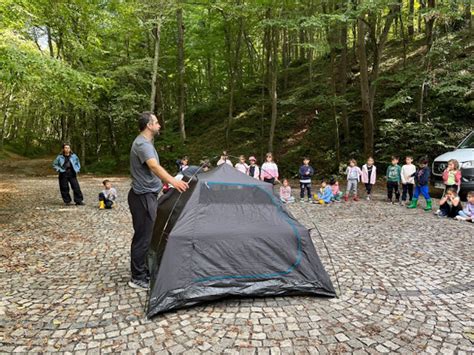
(108, 196)
(336, 194)
(467, 214)
(285, 192)
(450, 204)
(324, 196)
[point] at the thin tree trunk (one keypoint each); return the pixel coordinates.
(411, 11)
(181, 68)
(467, 13)
(368, 118)
(273, 89)
(50, 42)
(113, 138)
(343, 81)
(156, 57)
(5, 110)
(285, 59)
(430, 25)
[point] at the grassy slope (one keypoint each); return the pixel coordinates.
(300, 132)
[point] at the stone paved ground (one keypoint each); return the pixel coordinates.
(406, 280)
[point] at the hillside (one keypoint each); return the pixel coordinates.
(448, 101)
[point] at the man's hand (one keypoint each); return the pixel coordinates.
(179, 185)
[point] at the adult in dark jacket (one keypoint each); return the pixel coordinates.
(67, 165)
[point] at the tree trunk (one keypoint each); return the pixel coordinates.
(411, 11)
(273, 89)
(50, 42)
(301, 42)
(156, 57)
(285, 58)
(367, 113)
(113, 138)
(333, 103)
(467, 13)
(343, 81)
(181, 68)
(5, 110)
(430, 25)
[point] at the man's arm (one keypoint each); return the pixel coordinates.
(159, 171)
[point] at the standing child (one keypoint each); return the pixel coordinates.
(336, 193)
(324, 195)
(408, 181)
(269, 171)
(422, 178)
(369, 176)
(254, 170)
(452, 176)
(393, 179)
(450, 204)
(108, 196)
(467, 214)
(242, 165)
(306, 172)
(353, 173)
(285, 192)
(224, 159)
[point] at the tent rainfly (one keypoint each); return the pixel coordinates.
(228, 235)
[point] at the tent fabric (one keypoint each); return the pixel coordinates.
(228, 235)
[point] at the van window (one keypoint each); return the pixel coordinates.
(468, 143)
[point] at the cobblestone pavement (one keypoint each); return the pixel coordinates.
(406, 280)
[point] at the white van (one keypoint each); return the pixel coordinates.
(464, 154)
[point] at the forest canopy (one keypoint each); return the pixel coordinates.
(329, 79)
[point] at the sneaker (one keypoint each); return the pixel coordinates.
(460, 218)
(368, 198)
(139, 284)
(67, 203)
(356, 198)
(80, 203)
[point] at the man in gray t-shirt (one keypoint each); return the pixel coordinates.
(147, 174)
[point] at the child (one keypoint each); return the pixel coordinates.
(108, 196)
(408, 181)
(450, 204)
(353, 173)
(324, 195)
(224, 159)
(269, 170)
(285, 192)
(369, 176)
(184, 164)
(242, 165)
(306, 172)
(336, 194)
(254, 170)
(452, 176)
(393, 179)
(467, 214)
(422, 178)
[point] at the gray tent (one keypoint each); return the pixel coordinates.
(228, 235)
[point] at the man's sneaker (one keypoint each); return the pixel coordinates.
(139, 284)
(80, 203)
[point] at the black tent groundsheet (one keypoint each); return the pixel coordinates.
(228, 235)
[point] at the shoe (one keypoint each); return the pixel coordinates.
(80, 203)
(428, 206)
(460, 218)
(368, 198)
(356, 198)
(401, 203)
(346, 198)
(413, 203)
(139, 284)
(67, 203)
(101, 205)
